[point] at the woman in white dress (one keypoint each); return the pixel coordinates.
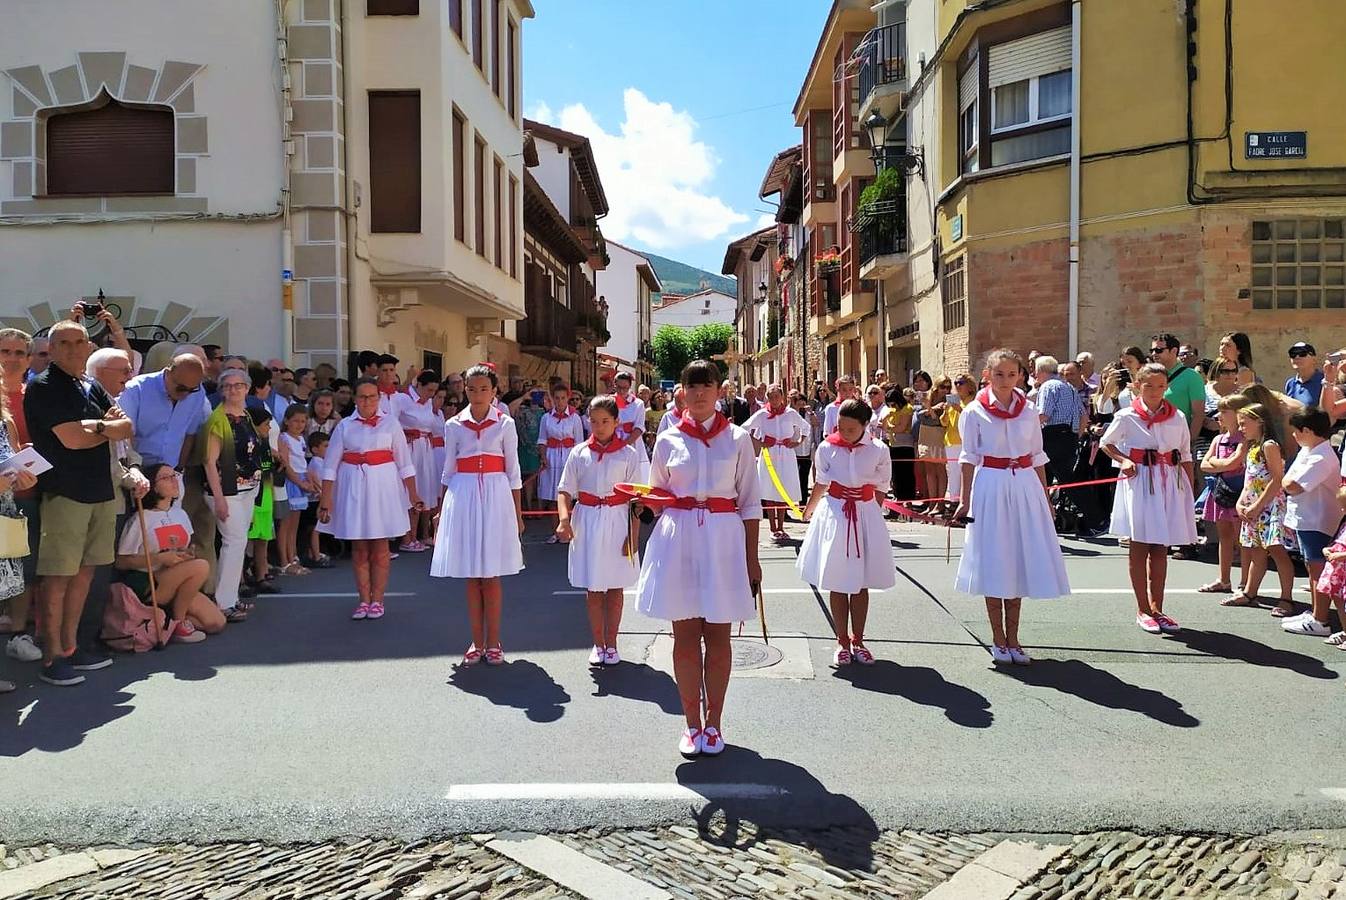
(846, 550)
(558, 433)
(415, 412)
(1010, 550)
(631, 418)
(481, 516)
(598, 524)
(701, 560)
(368, 481)
(776, 430)
(1152, 445)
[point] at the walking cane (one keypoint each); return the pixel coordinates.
(149, 570)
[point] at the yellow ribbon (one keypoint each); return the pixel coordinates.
(780, 488)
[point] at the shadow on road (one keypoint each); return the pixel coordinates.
(804, 803)
(520, 684)
(924, 686)
(1078, 678)
(1241, 649)
(637, 681)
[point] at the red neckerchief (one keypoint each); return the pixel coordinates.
(611, 446)
(772, 412)
(387, 391)
(371, 421)
(689, 426)
(622, 401)
(477, 427)
(1165, 412)
(1017, 404)
(836, 440)
(561, 414)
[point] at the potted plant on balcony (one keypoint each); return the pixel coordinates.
(879, 203)
(785, 264)
(828, 261)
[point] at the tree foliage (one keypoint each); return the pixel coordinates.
(672, 351)
(709, 340)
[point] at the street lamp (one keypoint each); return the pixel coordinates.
(876, 126)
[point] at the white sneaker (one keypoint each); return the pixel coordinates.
(1307, 625)
(1001, 654)
(611, 657)
(690, 742)
(1019, 656)
(711, 742)
(6, 686)
(22, 648)
(596, 656)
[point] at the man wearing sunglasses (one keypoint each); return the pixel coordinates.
(1186, 389)
(1306, 385)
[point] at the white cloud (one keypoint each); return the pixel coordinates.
(540, 112)
(655, 174)
(765, 220)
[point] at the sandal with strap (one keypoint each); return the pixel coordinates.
(376, 610)
(1238, 598)
(472, 656)
(860, 653)
(1283, 609)
(1337, 639)
(495, 656)
(236, 615)
(1214, 587)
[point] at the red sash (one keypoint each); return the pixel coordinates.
(368, 458)
(1013, 463)
(709, 504)
(436, 440)
(413, 434)
(849, 509)
(559, 443)
(1017, 404)
(481, 464)
(588, 499)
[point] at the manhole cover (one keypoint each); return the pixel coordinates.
(752, 655)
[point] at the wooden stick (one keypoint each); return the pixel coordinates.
(149, 570)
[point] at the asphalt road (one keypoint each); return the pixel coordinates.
(301, 724)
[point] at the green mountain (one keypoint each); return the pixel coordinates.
(680, 278)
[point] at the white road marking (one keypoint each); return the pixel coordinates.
(801, 590)
(282, 595)
(1333, 793)
(614, 791)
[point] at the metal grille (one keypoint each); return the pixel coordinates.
(1299, 264)
(955, 294)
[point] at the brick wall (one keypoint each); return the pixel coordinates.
(1016, 298)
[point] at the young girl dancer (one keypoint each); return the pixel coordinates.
(420, 425)
(558, 433)
(368, 480)
(845, 390)
(1152, 446)
(776, 430)
(300, 481)
(603, 534)
(846, 550)
(701, 560)
(480, 517)
(1010, 550)
(631, 416)
(1261, 507)
(1224, 463)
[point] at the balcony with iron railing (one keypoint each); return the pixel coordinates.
(548, 329)
(882, 66)
(881, 233)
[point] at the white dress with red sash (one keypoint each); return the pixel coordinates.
(1155, 507)
(630, 419)
(1010, 549)
(846, 547)
(776, 429)
(597, 562)
(369, 498)
(557, 430)
(695, 563)
(420, 425)
(478, 533)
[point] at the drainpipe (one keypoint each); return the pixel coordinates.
(287, 154)
(1073, 312)
(348, 223)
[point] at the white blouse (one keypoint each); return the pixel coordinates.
(352, 435)
(727, 468)
(500, 438)
(787, 426)
(987, 435)
(585, 471)
(867, 464)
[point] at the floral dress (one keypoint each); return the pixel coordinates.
(11, 570)
(1333, 580)
(1266, 531)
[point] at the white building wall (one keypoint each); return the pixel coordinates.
(218, 280)
(922, 192)
(553, 173)
(619, 284)
(693, 311)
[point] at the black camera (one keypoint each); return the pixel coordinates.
(91, 308)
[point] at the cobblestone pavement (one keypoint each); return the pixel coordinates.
(728, 861)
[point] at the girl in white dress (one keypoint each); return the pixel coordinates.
(846, 550)
(776, 430)
(420, 423)
(845, 390)
(481, 516)
(559, 432)
(1152, 445)
(631, 418)
(701, 560)
(437, 448)
(1010, 550)
(598, 523)
(368, 481)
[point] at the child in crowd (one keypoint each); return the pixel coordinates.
(481, 517)
(1332, 583)
(846, 550)
(1311, 484)
(1261, 509)
(598, 524)
(846, 389)
(308, 519)
(263, 529)
(369, 480)
(1011, 550)
(299, 483)
(1152, 446)
(1223, 462)
(558, 433)
(776, 430)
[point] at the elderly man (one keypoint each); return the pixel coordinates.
(1065, 418)
(39, 357)
(1306, 384)
(72, 423)
(1085, 361)
(111, 368)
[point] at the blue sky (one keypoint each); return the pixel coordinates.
(685, 103)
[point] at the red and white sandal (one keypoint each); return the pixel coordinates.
(376, 610)
(495, 656)
(361, 612)
(472, 656)
(860, 653)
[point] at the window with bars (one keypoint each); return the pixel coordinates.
(1299, 264)
(955, 294)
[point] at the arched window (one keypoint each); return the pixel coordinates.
(110, 149)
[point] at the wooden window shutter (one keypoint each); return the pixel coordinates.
(114, 149)
(395, 161)
(393, 8)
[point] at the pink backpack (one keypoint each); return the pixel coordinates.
(128, 626)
